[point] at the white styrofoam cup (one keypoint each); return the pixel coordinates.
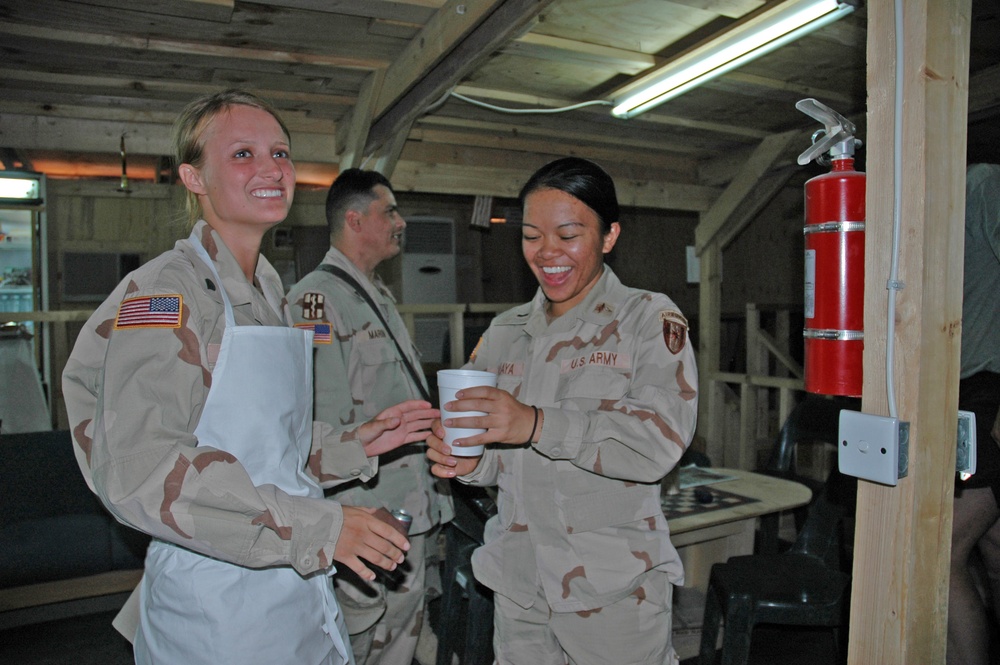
(451, 381)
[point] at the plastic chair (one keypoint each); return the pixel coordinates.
(814, 420)
(801, 587)
(463, 600)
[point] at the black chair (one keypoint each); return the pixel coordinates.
(804, 586)
(814, 420)
(463, 600)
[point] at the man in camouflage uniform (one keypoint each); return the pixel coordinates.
(384, 619)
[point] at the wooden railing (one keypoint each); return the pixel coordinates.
(58, 345)
(757, 422)
(456, 321)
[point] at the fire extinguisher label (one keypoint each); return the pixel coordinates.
(810, 284)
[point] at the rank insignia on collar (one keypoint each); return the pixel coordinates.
(603, 307)
(674, 330)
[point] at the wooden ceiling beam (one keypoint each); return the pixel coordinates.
(454, 47)
(87, 112)
(560, 49)
(685, 167)
(190, 48)
(358, 122)
(513, 129)
(724, 220)
(105, 83)
(769, 186)
(501, 182)
(220, 11)
(766, 87)
(297, 121)
(440, 36)
(399, 11)
(26, 132)
(388, 154)
(728, 8)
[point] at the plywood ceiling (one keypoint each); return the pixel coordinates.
(370, 81)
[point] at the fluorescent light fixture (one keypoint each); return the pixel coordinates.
(771, 27)
(19, 189)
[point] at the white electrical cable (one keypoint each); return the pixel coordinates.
(475, 102)
(897, 173)
(501, 109)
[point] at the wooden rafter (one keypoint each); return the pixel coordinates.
(412, 83)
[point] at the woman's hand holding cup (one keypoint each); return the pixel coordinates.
(446, 465)
(462, 421)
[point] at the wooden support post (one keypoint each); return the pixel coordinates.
(751, 396)
(456, 328)
(711, 405)
(902, 540)
(783, 334)
(359, 122)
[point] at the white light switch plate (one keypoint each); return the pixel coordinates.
(965, 456)
(869, 447)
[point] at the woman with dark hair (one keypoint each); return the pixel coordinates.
(190, 400)
(595, 403)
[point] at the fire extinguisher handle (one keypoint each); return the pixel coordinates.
(838, 134)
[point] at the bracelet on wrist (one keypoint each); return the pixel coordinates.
(533, 427)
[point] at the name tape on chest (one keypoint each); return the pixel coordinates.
(162, 311)
(510, 369)
(369, 336)
(596, 358)
(322, 332)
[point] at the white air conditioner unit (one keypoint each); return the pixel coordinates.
(429, 277)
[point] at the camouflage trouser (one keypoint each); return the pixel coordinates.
(384, 617)
(634, 631)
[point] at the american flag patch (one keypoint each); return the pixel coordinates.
(322, 332)
(149, 312)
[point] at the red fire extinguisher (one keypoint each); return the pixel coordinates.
(834, 259)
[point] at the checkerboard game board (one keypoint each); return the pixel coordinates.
(685, 503)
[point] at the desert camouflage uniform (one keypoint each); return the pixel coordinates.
(580, 526)
(358, 373)
(144, 462)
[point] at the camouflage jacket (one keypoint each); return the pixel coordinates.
(358, 373)
(150, 377)
(580, 509)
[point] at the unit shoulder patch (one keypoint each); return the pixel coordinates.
(313, 306)
(163, 311)
(475, 351)
(674, 330)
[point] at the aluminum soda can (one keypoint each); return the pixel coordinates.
(404, 518)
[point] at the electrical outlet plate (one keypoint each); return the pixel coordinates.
(965, 456)
(869, 447)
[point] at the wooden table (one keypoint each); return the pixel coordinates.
(703, 539)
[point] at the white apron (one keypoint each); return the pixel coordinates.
(196, 609)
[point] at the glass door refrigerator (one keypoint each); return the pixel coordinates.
(25, 369)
